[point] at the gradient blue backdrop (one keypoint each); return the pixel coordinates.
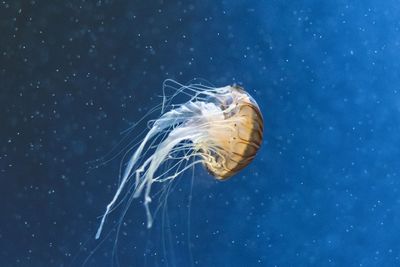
(323, 190)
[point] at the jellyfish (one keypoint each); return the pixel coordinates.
(218, 127)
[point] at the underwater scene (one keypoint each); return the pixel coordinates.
(199, 133)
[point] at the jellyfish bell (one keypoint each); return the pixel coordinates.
(220, 128)
(232, 143)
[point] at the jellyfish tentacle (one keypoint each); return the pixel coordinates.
(173, 117)
(126, 175)
(175, 137)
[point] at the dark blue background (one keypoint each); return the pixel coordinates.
(323, 190)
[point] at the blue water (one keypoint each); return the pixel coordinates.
(323, 190)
